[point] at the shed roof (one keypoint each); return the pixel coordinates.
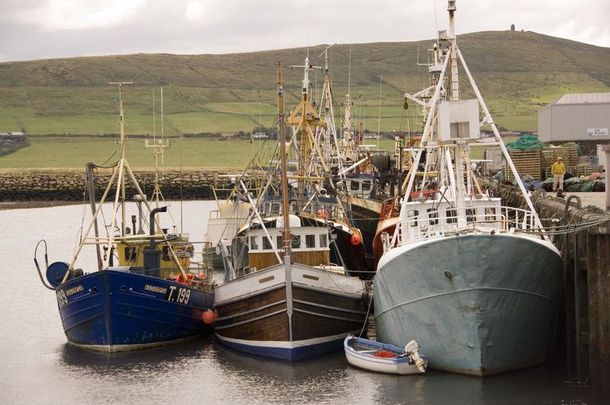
(584, 98)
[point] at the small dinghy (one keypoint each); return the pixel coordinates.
(383, 357)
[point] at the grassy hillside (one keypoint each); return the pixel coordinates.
(53, 152)
(518, 72)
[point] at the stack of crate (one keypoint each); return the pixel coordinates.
(526, 162)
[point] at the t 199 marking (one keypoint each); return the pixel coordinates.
(180, 295)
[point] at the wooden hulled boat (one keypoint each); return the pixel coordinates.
(283, 297)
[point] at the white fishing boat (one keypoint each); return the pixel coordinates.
(477, 281)
(383, 357)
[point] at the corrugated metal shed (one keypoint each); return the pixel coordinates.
(584, 98)
(576, 117)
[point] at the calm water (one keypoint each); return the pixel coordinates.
(38, 367)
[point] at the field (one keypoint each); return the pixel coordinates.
(53, 152)
(517, 72)
(69, 101)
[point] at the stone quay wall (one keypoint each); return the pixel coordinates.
(70, 184)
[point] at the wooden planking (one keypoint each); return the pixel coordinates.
(270, 328)
(527, 162)
(261, 261)
(350, 307)
(307, 324)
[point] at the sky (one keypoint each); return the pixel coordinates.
(41, 29)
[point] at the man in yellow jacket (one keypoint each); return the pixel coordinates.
(558, 169)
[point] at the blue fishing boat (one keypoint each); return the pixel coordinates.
(384, 357)
(156, 294)
(477, 281)
(118, 310)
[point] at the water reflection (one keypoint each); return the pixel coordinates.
(265, 380)
(154, 360)
(39, 367)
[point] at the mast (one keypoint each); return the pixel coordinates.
(122, 153)
(158, 147)
(331, 142)
(304, 119)
(446, 57)
(455, 84)
(284, 167)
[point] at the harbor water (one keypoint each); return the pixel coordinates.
(37, 366)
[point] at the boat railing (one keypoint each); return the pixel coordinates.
(325, 211)
(443, 222)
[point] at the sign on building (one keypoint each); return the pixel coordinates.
(595, 132)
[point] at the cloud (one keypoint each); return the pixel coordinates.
(33, 29)
(194, 10)
(76, 15)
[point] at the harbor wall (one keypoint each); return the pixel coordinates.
(586, 281)
(69, 184)
(582, 234)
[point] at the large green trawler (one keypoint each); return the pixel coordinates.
(475, 283)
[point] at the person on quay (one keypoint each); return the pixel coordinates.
(558, 169)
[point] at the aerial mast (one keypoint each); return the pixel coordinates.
(455, 84)
(122, 152)
(283, 165)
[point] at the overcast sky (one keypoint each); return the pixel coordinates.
(36, 29)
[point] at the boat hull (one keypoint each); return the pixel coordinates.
(289, 312)
(478, 304)
(113, 311)
(365, 214)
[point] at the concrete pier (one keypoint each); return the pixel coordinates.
(580, 228)
(585, 247)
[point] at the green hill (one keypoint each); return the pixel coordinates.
(517, 72)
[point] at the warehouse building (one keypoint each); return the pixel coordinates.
(576, 118)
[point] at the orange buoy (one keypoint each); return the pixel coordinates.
(355, 240)
(201, 275)
(322, 213)
(208, 317)
(186, 281)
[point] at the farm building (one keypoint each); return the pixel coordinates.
(576, 117)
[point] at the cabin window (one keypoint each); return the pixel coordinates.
(296, 241)
(323, 241)
(165, 254)
(451, 216)
(279, 241)
(310, 241)
(253, 244)
(412, 216)
(275, 208)
(266, 243)
(432, 216)
(366, 186)
(490, 214)
(130, 253)
(354, 185)
(470, 214)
